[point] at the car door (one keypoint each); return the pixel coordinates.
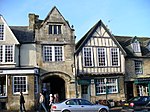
(73, 105)
(87, 106)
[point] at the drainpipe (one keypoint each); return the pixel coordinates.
(76, 80)
(19, 56)
(149, 89)
(75, 73)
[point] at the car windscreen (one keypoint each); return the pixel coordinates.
(135, 99)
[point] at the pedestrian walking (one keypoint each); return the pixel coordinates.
(22, 101)
(56, 98)
(41, 101)
(51, 101)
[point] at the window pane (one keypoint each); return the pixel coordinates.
(9, 53)
(36, 84)
(50, 29)
(1, 32)
(138, 67)
(20, 84)
(47, 53)
(101, 57)
(53, 53)
(87, 55)
(58, 53)
(136, 46)
(55, 29)
(2, 86)
(111, 85)
(59, 29)
(114, 56)
(1, 53)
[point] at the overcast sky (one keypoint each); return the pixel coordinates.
(123, 17)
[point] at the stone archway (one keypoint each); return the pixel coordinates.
(55, 83)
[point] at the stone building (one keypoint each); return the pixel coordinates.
(34, 58)
(137, 65)
(18, 70)
(44, 57)
(55, 46)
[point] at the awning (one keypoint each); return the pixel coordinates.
(142, 81)
(84, 82)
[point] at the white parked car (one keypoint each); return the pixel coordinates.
(78, 105)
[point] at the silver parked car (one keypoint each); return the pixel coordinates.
(78, 105)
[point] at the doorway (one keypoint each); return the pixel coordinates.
(54, 85)
(85, 92)
(129, 86)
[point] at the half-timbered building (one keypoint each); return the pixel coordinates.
(100, 65)
(44, 57)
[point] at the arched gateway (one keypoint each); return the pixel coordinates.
(55, 83)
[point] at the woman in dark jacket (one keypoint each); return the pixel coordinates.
(22, 101)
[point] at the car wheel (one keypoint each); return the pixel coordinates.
(65, 111)
(103, 110)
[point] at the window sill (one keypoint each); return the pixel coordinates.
(8, 63)
(3, 97)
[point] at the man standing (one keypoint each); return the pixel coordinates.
(22, 101)
(41, 101)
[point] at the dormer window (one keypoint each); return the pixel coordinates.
(136, 46)
(1, 32)
(55, 29)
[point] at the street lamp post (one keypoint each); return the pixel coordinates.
(105, 81)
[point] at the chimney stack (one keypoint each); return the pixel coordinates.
(33, 19)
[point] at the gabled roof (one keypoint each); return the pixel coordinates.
(88, 35)
(23, 34)
(54, 8)
(4, 22)
(125, 42)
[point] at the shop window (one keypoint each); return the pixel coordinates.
(111, 86)
(19, 84)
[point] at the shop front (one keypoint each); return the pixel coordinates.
(142, 86)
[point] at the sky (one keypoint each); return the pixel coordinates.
(123, 17)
